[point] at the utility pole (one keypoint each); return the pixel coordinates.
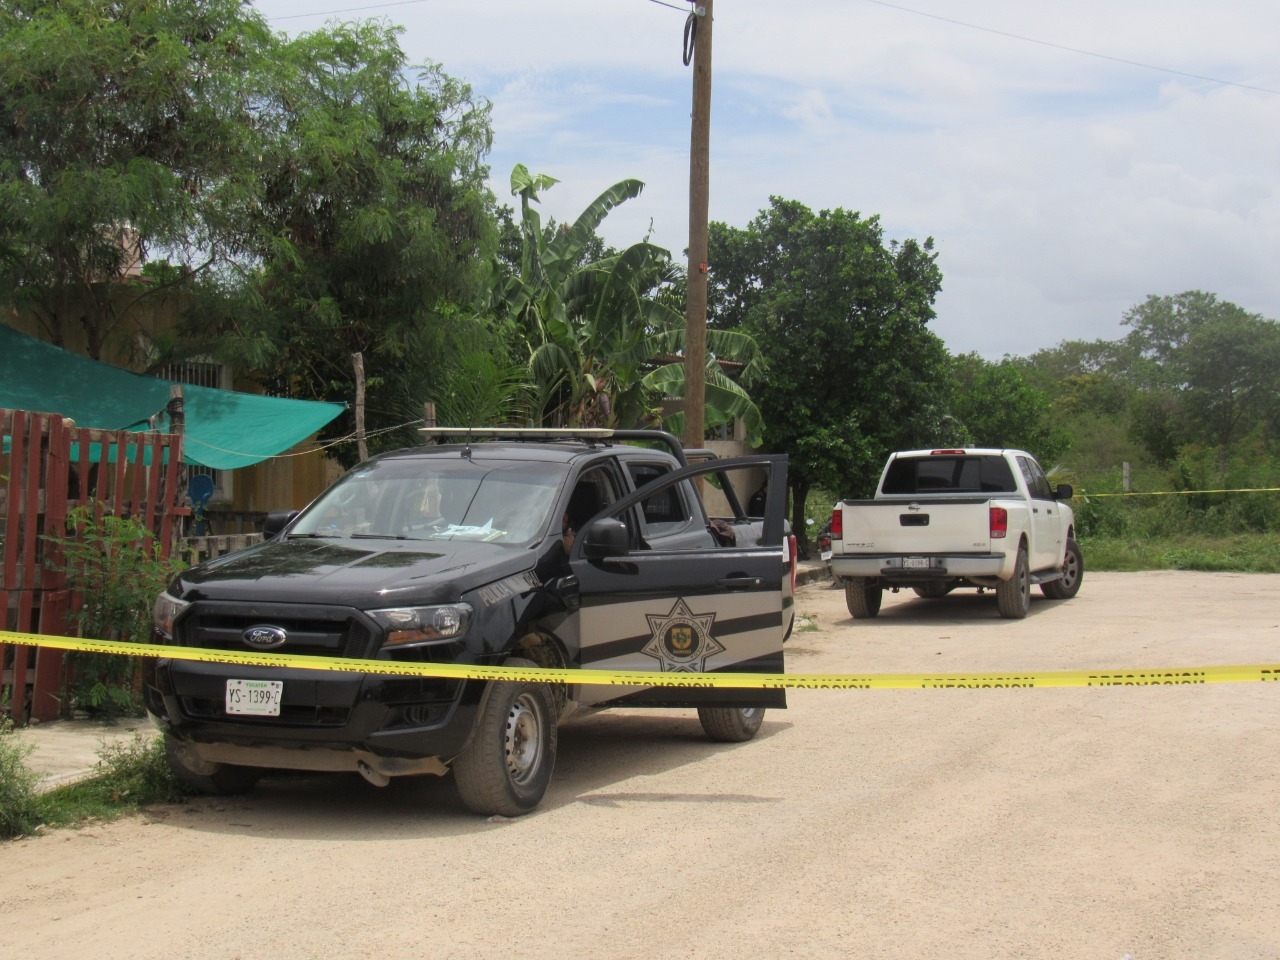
(362, 448)
(695, 338)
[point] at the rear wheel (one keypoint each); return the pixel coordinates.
(1013, 596)
(730, 724)
(862, 596)
(506, 766)
(202, 776)
(1068, 585)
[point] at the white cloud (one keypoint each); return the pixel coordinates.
(1061, 188)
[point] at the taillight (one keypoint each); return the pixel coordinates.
(837, 525)
(792, 549)
(999, 522)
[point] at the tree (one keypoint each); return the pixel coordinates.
(1208, 369)
(602, 334)
(997, 407)
(372, 227)
(1230, 367)
(124, 129)
(841, 316)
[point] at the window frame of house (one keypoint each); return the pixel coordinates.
(203, 372)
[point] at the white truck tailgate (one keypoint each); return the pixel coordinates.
(907, 526)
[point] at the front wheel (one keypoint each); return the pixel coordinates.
(730, 724)
(862, 596)
(202, 776)
(1013, 596)
(1068, 585)
(506, 766)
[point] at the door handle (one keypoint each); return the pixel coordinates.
(739, 583)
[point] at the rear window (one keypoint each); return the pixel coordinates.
(979, 474)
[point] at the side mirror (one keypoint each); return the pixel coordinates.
(606, 537)
(276, 521)
(1064, 492)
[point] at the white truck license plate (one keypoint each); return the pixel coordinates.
(916, 563)
(259, 698)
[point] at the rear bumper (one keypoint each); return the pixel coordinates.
(921, 567)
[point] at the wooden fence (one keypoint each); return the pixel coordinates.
(47, 467)
(199, 549)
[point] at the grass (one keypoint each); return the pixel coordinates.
(1238, 553)
(130, 775)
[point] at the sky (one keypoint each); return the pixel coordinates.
(1068, 159)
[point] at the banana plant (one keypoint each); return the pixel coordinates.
(602, 346)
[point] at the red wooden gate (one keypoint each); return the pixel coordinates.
(47, 466)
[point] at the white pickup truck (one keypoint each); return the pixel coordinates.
(943, 519)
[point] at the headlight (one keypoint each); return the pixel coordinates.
(405, 625)
(167, 610)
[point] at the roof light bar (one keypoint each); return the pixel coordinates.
(523, 433)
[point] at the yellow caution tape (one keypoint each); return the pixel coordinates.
(1175, 493)
(1268, 672)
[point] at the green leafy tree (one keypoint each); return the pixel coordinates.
(603, 336)
(372, 230)
(1231, 389)
(1207, 370)
(842, 319)
(997, 407)
(125, 128)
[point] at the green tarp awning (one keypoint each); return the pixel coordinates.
(224, 429)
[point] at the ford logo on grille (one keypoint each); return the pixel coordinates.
(263, 636)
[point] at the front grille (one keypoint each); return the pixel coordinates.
(311, 631)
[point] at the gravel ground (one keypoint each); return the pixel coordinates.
(1074, 823)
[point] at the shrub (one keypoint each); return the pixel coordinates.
(136, 772)
(19, 804)
(115, 566)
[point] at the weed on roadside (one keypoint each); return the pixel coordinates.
(130, 775)
(19, 803)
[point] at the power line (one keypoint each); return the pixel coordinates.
(901, 9)
(1059, 46)
(330, 13)
(401, 3)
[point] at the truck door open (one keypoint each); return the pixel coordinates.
(685, 609)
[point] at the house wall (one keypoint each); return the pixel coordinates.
(286, 482)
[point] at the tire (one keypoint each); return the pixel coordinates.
(215, 779)
(934, 591)
(506, 766)
(1068, 585)
(1013, 596)
(730, 724)
(862, 596)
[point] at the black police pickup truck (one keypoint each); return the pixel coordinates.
(564, 549)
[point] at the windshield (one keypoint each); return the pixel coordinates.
(436, 498)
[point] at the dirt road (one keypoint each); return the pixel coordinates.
(1072, 823)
